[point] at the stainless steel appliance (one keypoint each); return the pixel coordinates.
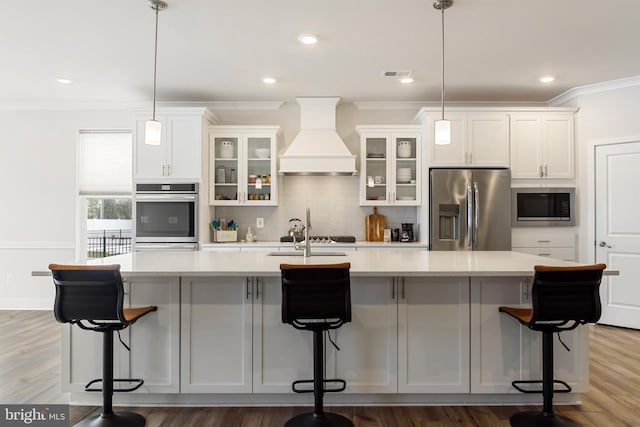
(166, 217)
(543, 207)
(470, 209)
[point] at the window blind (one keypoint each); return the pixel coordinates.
(105, 163)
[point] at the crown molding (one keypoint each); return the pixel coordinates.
(594, 88)
(103, 106)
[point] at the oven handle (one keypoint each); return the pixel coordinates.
(166, 197)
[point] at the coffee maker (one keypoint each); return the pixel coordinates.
(406, 235)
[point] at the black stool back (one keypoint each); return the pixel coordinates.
(317, 298)
(83, 294)
(312, 292)
(566, 294)
(92, 297)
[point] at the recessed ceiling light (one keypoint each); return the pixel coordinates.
(64, 81)
(406, 80)
(308, 38)
(268, 80)
(546, 79)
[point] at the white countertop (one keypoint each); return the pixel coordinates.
(363, 263)
(278, 244)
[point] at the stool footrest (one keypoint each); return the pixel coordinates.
(138, 383)
(516, 384)
(342, 386)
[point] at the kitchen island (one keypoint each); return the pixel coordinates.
(425, 330)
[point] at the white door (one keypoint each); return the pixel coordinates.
(618, 231)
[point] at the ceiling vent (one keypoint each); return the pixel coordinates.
(396, 74)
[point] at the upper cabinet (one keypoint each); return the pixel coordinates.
(178, 158)
(542, 145)
(391, 172)
(242, 165)
(477, 140)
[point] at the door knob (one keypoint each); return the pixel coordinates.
(603, 244)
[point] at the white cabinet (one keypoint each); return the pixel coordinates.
(477, 140)
(542, 145)
(508, 351)
(178, 157)
(281, 353)
(433, 335)
(391, 166)
(367, 359)
(242, 165)
(552, 242)
(216, 334)
(154, 342)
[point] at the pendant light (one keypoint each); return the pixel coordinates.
(153, 128)
(442, 126)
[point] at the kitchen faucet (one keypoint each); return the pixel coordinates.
(307, 243)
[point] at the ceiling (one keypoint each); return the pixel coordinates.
(215, 50)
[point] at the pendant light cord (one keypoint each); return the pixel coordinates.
(442, 92)
(155, 64)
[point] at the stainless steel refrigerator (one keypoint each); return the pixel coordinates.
(470, 210)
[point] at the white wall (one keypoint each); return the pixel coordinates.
(604, 115)
(38, 191)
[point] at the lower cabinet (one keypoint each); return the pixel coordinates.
(281, 353)
(154, 342)
(505, 351)
(433, 334)
(215, 326)
(368, 353)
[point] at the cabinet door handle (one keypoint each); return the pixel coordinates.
(393, 288)
(403, 288)
(471, 158)
(544, 241)
(247, 284)
(545, 171)
(168, 170)
(541, 172)
(546, 254)
(257, 288)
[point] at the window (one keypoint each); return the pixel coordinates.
(105, 188)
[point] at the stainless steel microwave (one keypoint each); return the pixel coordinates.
(543, 207)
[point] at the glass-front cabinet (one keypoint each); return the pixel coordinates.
(242, 165)
(390, 165)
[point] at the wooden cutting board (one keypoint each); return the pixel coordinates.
(374, 226)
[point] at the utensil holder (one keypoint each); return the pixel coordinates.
(220, 236)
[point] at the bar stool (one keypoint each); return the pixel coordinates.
(317, 298)
(92, 297)
(562, 299)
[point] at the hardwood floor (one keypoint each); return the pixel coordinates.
(30, 373)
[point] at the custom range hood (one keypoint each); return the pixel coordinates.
(317, 149)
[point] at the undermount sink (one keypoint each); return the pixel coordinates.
(300, 253)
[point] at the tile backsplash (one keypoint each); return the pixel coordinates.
(334, 204)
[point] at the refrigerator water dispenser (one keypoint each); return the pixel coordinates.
(449, 222)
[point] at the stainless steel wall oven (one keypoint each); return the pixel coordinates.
(166, 216)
